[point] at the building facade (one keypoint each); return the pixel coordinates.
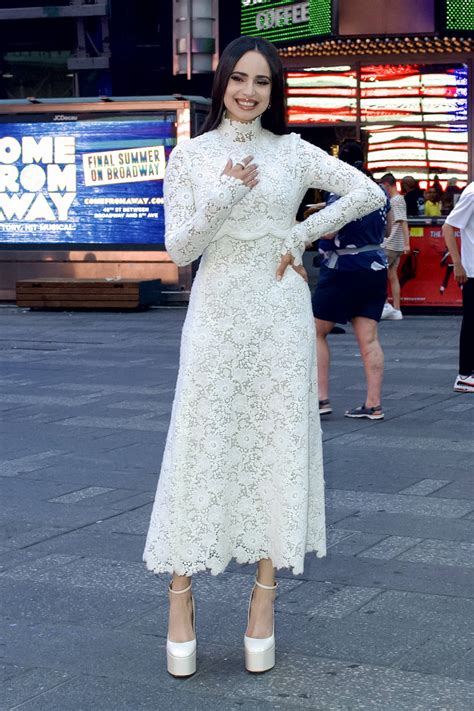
(82, 48)
(394, 74)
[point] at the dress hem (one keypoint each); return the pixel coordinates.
(295, 568)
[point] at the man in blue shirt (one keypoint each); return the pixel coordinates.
(353, 287)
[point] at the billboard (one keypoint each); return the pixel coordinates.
(94, 181)
(283, 21)
(426, 274)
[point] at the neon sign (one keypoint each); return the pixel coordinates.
(459, 15)
(281, 21)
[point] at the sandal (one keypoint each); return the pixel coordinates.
(370, 413)
(325, 407)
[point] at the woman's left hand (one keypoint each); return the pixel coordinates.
(287, 261)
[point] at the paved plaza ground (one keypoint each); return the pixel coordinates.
(385, 622)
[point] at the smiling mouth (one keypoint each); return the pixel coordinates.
(246, 104)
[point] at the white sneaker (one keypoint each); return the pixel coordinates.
(464, 384)
(387, 310)
(394, 315)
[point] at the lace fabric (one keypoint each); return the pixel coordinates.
(202, 206)
(242, 474)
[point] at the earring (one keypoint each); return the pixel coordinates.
(269, 106)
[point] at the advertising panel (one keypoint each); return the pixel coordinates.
(93, 181)
(414, 92)
(322, 95)
(426, 274)
(459, 15)
(282, 21)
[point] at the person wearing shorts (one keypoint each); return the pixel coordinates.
(396, 244)
(352, 286)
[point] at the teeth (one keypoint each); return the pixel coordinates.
(247, 104)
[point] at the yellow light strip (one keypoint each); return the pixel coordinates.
(380, 45)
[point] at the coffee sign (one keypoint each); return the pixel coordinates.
(284, 21)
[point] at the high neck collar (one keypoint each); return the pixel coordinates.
(239, 131)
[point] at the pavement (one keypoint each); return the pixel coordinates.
(386, 621)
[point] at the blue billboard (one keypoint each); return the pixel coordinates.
(94, 181)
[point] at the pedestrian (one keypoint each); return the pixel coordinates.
(438, 188)
(432, 206)
(352, 286)
(451, 195)
(242, 476)
(462, 217)
(396, 244)
(413, 196)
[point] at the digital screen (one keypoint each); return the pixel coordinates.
(414, 92)
(322, 95)
(420, 151)
(380, 17)
(283, 21)
(460, 15)
(96, 181)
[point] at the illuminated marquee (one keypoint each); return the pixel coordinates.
(459, 15)
(283, 20)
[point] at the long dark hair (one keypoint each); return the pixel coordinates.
(351, 151)
(274, 118)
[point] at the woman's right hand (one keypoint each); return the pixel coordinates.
(244, 170)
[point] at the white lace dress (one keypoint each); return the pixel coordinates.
(242, 473)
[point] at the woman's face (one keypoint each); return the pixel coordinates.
(249, 88)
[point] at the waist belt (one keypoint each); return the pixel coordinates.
(333, 259)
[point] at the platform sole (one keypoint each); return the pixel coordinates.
(181, 666)
(258, 662)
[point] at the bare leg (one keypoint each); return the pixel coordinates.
(261, 612)
(395, 284)
(365, 330)
(323, 328)
(180, 627)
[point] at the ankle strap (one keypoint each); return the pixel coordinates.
(266, 587)
(178, 592)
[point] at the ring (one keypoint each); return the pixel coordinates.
(242, 165)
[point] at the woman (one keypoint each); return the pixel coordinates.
(242, 469)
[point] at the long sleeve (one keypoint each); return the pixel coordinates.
(359, 196)
(190, 229)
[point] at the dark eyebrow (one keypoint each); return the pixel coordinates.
(259, 76)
